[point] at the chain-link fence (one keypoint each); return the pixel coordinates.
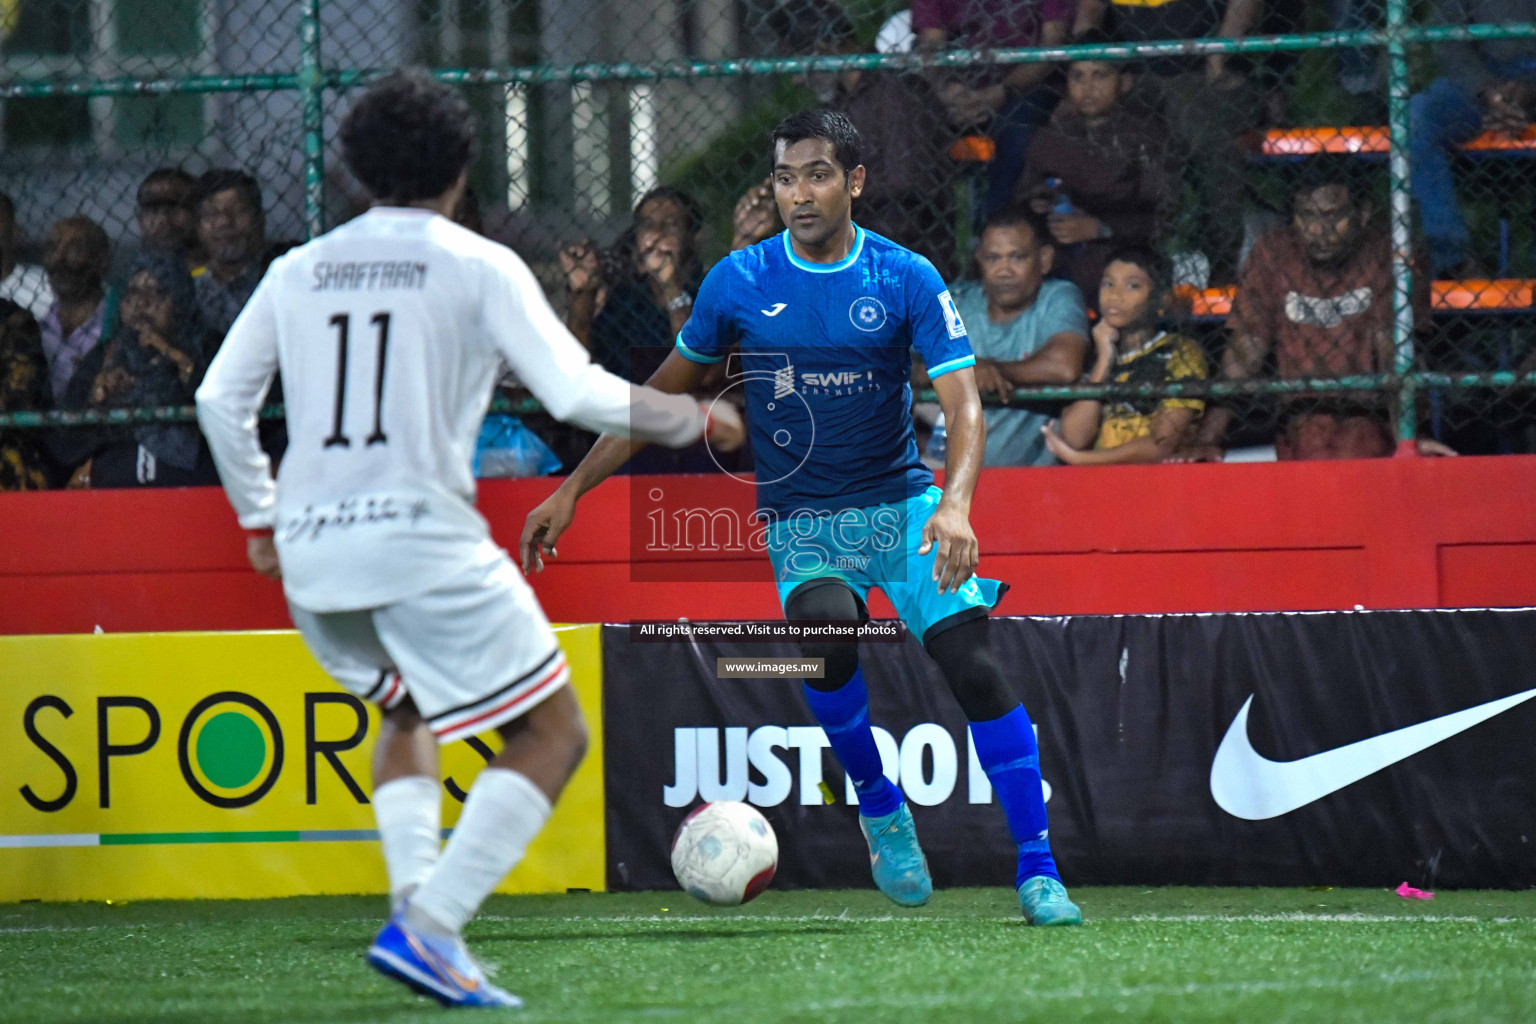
(1263, 150)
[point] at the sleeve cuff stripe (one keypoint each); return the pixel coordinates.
(934, 372)
(698, 357)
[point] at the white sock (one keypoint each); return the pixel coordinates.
(409, 814)
(502, 814)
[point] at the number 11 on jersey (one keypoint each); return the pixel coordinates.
(343, 323)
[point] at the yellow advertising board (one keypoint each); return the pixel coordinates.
(227, 765)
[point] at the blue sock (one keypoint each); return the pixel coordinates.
(1008, 754)
(844, 716)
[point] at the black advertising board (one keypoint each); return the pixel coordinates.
(1239, 749)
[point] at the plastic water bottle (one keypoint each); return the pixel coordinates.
(938, 441)
(1063, 204)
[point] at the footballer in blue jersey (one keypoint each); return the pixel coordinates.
(841, 334)
(818, 324)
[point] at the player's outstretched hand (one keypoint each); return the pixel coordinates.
(543, 528)
(262, 552)
(726, 431)
(949, 529)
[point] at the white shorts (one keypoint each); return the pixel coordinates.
(474, 653)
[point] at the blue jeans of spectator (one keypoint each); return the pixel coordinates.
(1012, 130)
(1439, 118)
(1444, 115)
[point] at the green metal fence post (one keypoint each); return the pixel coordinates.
(1402, 227)
(312, 89)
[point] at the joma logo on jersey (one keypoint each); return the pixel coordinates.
(841, 379)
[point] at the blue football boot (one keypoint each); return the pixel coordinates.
(434, 966)
(895, 859)
(1045, 904)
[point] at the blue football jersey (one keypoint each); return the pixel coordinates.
(825, 362)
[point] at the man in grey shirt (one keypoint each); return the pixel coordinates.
(1024, 329)
(232, 231)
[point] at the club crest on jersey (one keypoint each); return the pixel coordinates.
(867, 313)
(951, 315)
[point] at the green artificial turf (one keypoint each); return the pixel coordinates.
(1269, 955)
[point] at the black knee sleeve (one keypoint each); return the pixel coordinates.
(964, 654)
(821, 601)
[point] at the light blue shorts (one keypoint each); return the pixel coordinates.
(877, 546)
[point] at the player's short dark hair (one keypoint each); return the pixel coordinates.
(821, 123)
(468, 214)
(225, 179)
(408, 137)
(166, 175)
(1154, 263)
(1015, 215)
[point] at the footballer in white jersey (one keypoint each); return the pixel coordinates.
(390, 333)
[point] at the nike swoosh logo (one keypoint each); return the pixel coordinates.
(778, 307)
(1248, 785)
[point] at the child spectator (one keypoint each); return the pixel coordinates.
(1207, 102)
(1102, 172)
(1131, 349)
(157, 358)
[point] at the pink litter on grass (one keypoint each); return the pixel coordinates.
(1408, 892)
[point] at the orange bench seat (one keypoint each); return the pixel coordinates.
(1284, 142)
(1506, 295)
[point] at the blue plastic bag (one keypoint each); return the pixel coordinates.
(506, 448)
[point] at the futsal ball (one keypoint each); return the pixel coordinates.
(724, 853)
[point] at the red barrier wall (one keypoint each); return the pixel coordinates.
(1391, 533)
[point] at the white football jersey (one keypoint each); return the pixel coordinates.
(390, 332)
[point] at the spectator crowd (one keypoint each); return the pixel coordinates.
(1060, 246)
(73, 340)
